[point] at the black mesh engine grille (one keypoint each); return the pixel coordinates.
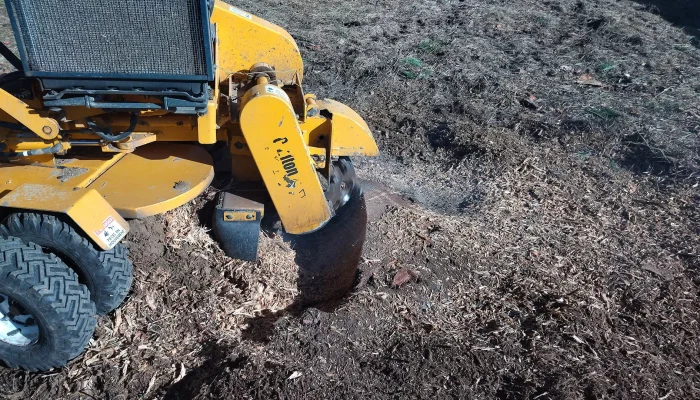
(162, 37)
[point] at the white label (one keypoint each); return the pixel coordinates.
(272, 89)
(240, 12)
(111, 232)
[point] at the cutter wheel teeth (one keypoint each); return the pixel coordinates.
(341, 183)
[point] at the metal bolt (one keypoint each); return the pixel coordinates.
(47, 130)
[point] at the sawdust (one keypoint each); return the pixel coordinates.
(67, 173)
(269, 285)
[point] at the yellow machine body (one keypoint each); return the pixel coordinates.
(276, 134)
(282, 157)
(92, 213)
(263, 42)
(45, 128)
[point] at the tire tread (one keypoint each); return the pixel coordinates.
(55, 290)
(111, 271)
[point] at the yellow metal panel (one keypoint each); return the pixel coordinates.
(85, 207)
(20, 142)
(273, 136)
(77, 172)
(45, 128)
(134, 141)
(156, 178)
(245, 39)
(97, 169)
(207, 125)
(317, 131)
(350, 135)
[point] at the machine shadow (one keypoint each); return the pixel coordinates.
(683, 13)
(219, 359)
(327, 259)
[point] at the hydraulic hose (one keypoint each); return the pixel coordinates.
(107, 133)
(28, 153)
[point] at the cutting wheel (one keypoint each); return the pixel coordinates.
(328, 258)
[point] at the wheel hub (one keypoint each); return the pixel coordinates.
(341, 183)
(18, 327)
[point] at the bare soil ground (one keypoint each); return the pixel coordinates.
(538, 189)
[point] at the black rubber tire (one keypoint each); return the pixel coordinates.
(329, 258)
(107, 274)
(50, 291)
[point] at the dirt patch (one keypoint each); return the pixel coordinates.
(538, 186)
(64, 174)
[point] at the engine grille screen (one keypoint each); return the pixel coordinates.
(108, 37)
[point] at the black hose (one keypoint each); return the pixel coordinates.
(15, 127)
(11, 57)
(11, 77)
(108, 135)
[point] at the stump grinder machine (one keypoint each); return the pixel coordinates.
(114, 113)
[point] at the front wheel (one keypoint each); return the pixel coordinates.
(107, 274)
(46, 316)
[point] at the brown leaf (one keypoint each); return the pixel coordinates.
(403, 277)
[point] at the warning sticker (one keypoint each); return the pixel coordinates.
(111, 232)
(240, 12)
